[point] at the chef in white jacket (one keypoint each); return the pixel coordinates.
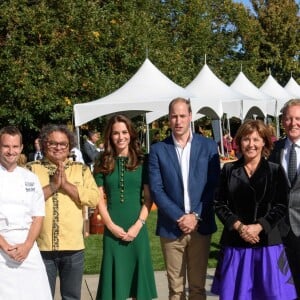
(22, 209)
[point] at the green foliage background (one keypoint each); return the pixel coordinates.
(54, 54)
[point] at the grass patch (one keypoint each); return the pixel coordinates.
(93, 251)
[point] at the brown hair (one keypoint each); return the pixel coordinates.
(22, 160)
(272, 130)
(182, 100)
(11, 130)
(255, 125)
(106, 162)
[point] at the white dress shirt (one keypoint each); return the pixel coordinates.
(183, 155)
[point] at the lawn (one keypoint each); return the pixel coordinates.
(93, 251)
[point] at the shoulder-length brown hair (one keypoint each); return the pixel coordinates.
(250, 126)
(106, 162)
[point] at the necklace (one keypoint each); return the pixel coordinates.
(250, 171)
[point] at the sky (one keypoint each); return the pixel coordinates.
(245, 2)
(248, 3)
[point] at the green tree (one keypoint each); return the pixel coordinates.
(55, 53)
(279, 38)
(58, 53)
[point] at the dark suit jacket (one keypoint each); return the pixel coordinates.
(292, 221)
(260, 199)
(89, 153)
(166, 184)
(31, 156)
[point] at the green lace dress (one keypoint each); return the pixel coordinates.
(126, 269)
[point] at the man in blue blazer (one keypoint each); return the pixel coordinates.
(183, 173)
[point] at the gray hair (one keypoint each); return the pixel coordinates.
(288, 104)
(48, 129)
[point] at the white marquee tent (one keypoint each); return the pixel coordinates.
(293, 87)
(257, 106)
(272, 88)
(147, 90)
(206, 91)
(211, 95)
(150, 91)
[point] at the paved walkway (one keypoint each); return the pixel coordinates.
(90, 283)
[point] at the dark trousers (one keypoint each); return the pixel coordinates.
(292, 248)
(69, 267)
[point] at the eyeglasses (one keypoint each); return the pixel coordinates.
(62, 145)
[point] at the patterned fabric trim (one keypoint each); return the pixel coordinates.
(55, 223)
(51, 170)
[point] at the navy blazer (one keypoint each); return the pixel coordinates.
(166, 184)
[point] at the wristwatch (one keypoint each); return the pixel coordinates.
(197, 217)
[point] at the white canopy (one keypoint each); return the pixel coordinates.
(293, 87)
(258, 105)
(212, 96)
(148, 90)
(272, 88)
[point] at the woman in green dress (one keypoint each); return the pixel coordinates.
(120, 173)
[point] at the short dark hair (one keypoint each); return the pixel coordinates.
(91, 133)
(182, 100)
(11, 130)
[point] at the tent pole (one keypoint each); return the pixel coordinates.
(277, 127)
(147, 138)
(277, 119)
(78, 136)
(228, 125)
(221, 138)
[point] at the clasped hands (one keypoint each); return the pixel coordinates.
(126, 236)
(59, 178)
(250, 233)
(187, 223)
(18, 252)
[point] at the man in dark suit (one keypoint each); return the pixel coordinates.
(281, 154)
(37, 154)
(90, 150)
(183, 173)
